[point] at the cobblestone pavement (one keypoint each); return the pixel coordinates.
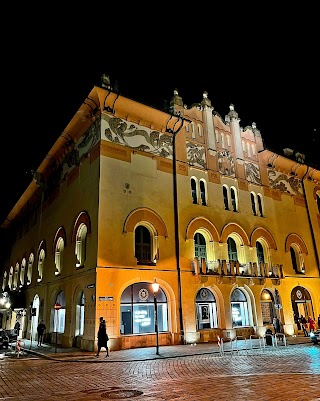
(198, 373)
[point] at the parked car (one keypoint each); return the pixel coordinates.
(4, 339)
(315, 336)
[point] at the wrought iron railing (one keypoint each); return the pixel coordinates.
(234, 268)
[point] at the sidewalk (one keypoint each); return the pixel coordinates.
(50, 351)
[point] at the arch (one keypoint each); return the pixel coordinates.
(231, 228)
(145, 214)
(261, 232)
(83, 218)
(316, 191)
(202, 222)
(61, 232)
(295, 239)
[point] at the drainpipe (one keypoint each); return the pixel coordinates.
(310, 224)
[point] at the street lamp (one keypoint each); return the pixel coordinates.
(155, 287)
(5, 301)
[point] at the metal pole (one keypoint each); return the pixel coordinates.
(55, 348)
(31, 331)
(156, 322)
(176, 234)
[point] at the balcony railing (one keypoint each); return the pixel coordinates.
(234, 268)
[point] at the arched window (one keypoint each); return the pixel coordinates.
(260, 205)
(193, 134)
(30, 266)
(41, 259)
(59, 256)
(203, 195)
(294, 259)
(260, 252)
(239, 308)
(59, 318)
(81, 245)
(318, 202)
(248, 150)
(222, 140)
(234, 202)
(206, 310)
(199, 129)
(267, 307)
(137, 309)
(253, 203)
(22, 272)
(200, 247)
(225, 197)
(79, 329)
(143, 246)
(16, 277)
(232, 249)
(194, 191)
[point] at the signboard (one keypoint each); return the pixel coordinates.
(105, 298)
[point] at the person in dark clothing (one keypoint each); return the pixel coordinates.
(41, 329)
(102, 337)
(319, 321)
(276, 325)
(304, 324)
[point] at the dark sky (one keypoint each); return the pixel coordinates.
(270, 73)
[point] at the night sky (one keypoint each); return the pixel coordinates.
(270, 73)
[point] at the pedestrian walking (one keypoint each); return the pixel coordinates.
(17, 327)
(41, 329)
(304, 325)
(103, 337)
(319, 321)
(312, 324)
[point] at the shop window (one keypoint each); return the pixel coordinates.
(137, 310)
(59, 318)
(206, 308)
(267, 307)
(80, 316)
(239, 309)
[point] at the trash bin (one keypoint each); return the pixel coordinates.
(269, 337)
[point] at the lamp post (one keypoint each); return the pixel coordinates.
(176, 122)
(57, 307)
(155, 287)
(5, 302)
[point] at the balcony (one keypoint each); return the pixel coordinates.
(222, 268)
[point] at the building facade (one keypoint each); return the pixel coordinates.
(129, 195)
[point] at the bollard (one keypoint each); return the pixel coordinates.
(18, 348)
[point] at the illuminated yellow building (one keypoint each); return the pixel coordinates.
(230, 232)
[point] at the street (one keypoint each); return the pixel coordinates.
(286, 374)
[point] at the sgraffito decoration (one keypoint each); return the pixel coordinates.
(284, 183)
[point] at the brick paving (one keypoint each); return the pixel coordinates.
(183, 372)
